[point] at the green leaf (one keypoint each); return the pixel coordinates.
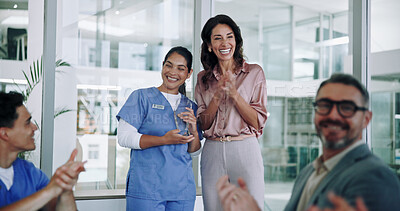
(61, 111)
(39, 72)
(32, 75)
(27, 79)
(36, 74)
(61, 63)
(41, 65)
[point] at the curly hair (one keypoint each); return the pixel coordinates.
(9, 102)
(209, 59)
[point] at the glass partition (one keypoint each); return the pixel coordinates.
(297, 45)
(13, 30)
(385, 82)
(13, 44)
(114, 48)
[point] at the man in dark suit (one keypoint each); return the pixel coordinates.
(347, 167)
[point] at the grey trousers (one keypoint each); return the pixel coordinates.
(235, 159)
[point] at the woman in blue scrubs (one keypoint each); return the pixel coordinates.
(159, 125)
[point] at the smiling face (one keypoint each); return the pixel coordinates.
(223, 42)
(174, 73)
(335, 131)
(21, 136)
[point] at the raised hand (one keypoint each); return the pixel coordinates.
(66, 175)
(340, 204)
(228, 83)
(235, 198)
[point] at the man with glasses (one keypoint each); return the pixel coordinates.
(346, 167)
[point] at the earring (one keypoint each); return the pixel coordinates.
(209, 49)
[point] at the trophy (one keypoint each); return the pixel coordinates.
(179, 123)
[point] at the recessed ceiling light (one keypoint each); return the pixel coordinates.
(13, 81)
(15, 20)
(117, 12)
(15, 6)
(108, 29)
(97, 87)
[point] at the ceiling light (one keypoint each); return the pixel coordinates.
(335, 41)
(12, 81)
(117, 12)
(97, 87)
(111, 30)
(15, 20)
(15, 6)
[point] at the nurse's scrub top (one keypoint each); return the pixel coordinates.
(161, 172)
(27, 180)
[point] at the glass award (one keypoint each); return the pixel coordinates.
(179, 123)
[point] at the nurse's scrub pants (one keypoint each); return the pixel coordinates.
(137, 204)
(235, 159)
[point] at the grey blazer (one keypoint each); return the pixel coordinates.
(359, 173)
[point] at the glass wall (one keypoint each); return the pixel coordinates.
(13, 30)
(14, 20)
(385, 81)
(298, 45)
(13, 43)
(114, 48)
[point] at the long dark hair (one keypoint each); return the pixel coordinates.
(209, 59)
(188, 57)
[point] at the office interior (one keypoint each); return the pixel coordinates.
(105, 49)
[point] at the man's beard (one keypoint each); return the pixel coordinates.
(342, 143)
(334, 145)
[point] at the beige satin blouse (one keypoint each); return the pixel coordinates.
(251, 85)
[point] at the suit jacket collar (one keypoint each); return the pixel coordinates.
(298, 187)
(347, 161)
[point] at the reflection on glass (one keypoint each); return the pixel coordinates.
(14, 31)
(384, 25)
(307, 33)
(384, 85)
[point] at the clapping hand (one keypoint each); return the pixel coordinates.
(235, 198)
(66, 175)
(340, 204)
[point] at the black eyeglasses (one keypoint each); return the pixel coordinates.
(345, 108)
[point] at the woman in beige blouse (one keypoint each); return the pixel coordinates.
(232, 99)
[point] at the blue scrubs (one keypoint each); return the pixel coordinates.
(162, 173)
(27, 180)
